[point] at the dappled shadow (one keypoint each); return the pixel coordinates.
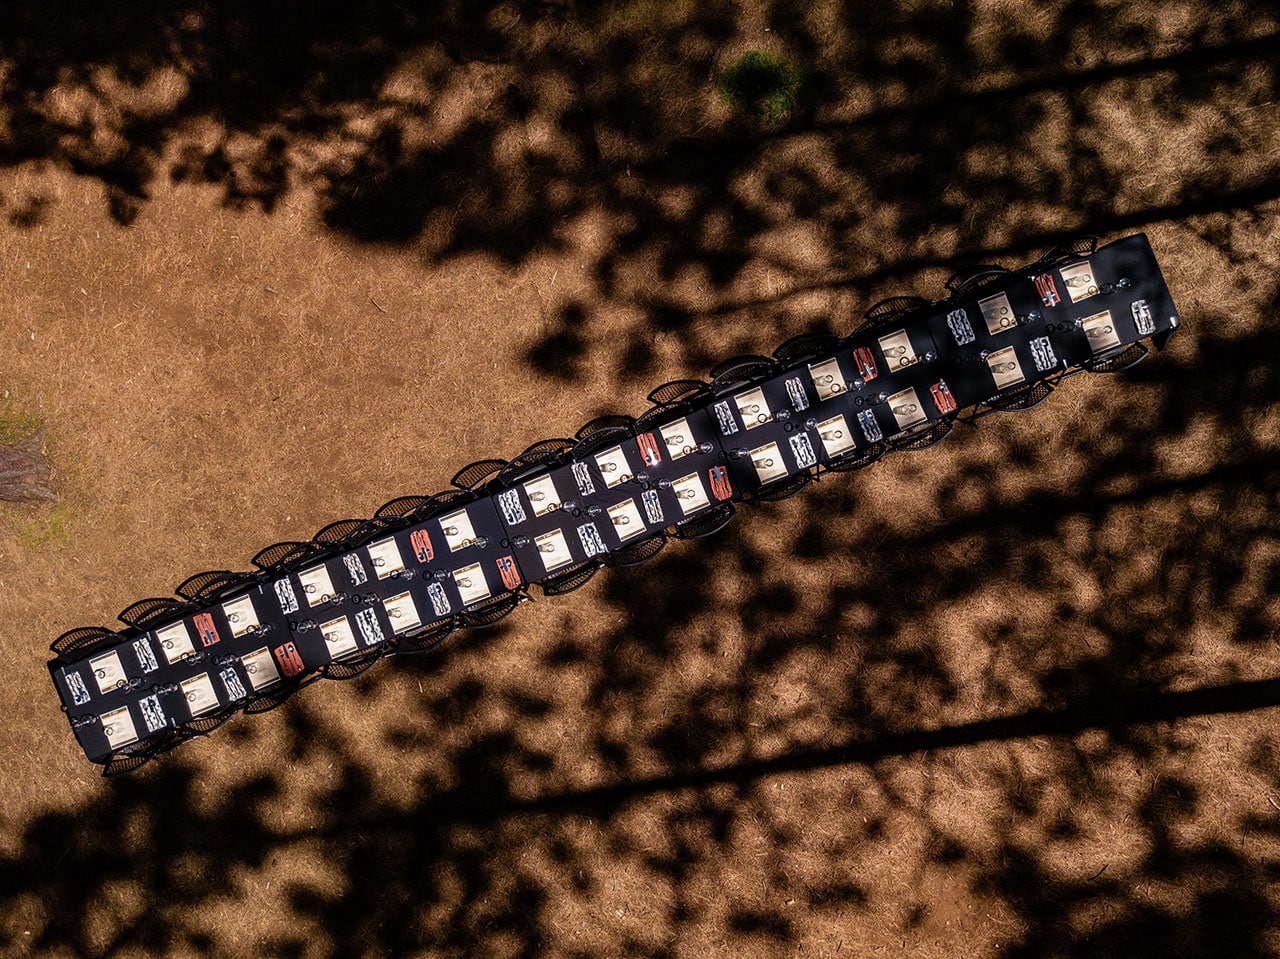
(986, 693)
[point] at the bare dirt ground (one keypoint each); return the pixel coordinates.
(1009, 697)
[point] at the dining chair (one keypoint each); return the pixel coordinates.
(1070, 249)
(353, 666)
(965, 283)
(422, 638)
(857, 459)
(636, 553)
(605, 422)
(475, 474)
(890, 312)
(805, 347)
(707, 523)
(575, 577)
(82, 641)
(676, 390)
(277, 694)
(1130, 356)
(147, 612)
(212, 584)
(783, 489)
(337, 532)
(924, 436)
(490, 612)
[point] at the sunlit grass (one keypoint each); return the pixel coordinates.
(16, 425)
(46, 528)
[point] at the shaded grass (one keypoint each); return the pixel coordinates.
(765, 88)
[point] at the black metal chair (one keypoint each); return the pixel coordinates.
(353, 666)
(423, 638)
(213, 583)
(1017, 401)
(785, 489)
(659, 414)
(637, 553)
(445, 501)
(539, 454)
(1130, 356)
(1072, 249)
(609, 423)
(547, 449)
(890, 312)
(338, 532)
(858, 459)
(490, 612)
(923, 438)
(706, 524)
(676, 390)
(120, 765)
(741, 369)
(204, 725)
(278, 694)
(966, 283)
(807, 346)
(147, 612)
(268, 559)
(402, 507)
(601, 438)
(83, 641)
(575, 577)
(371, 529)
(476, 474)
(133, 757)
(449, 497)
(284, 557)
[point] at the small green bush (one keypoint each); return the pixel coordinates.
(766, 88)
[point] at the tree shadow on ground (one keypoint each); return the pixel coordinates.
(990, 679)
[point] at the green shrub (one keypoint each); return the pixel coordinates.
(765, 88)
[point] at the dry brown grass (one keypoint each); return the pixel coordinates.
(1007, 697)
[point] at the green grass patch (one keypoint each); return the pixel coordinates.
(764, 87)
(49, 527)
(16, 425)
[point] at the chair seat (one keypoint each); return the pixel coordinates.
(472, 475)
(147, 612)
(609, 422)
(777, 492)
(279, 559)
(707, 524)
(575, 577)
(80, 642)
(1130, 356)
(352, 667)
(677, 390)
(337, 532)
(967, 282)
(424, 638)
(807, 346)
(741, 369)
(864, 458)
(638, 553)
(921, 439)
(489, 613)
